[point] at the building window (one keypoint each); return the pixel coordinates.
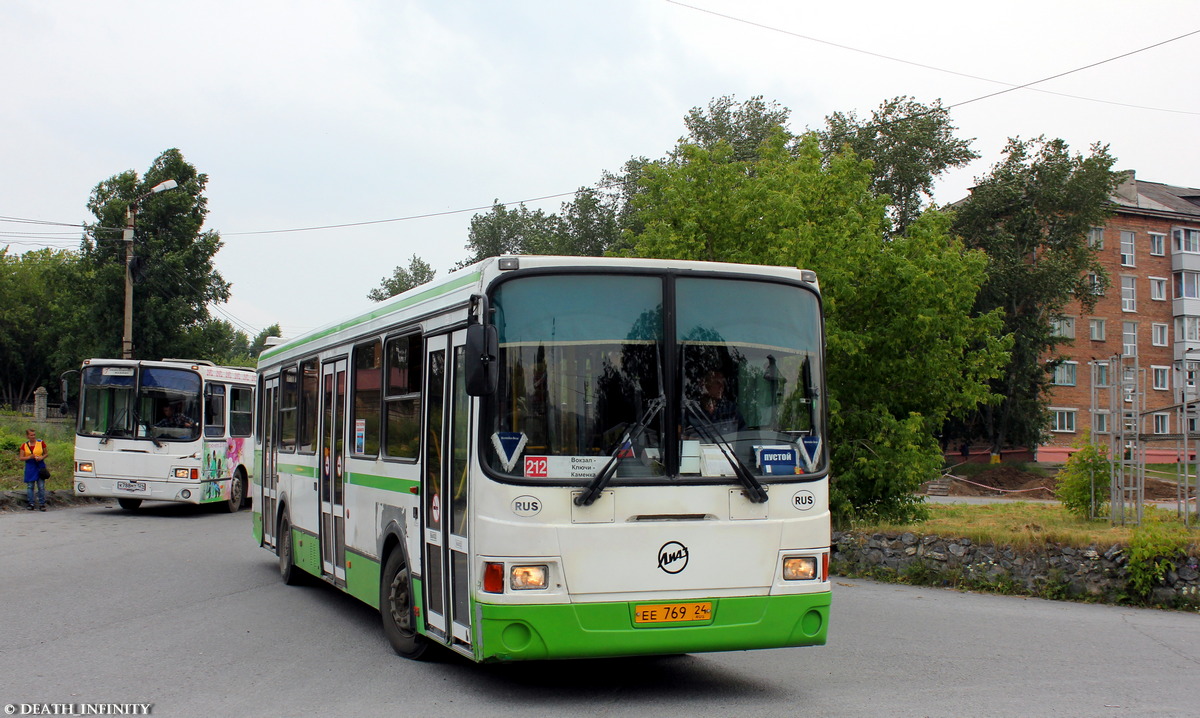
(1162, 423)
(1158, 289)
(1064, 420)
(1129, 294)
(1129, 339)
(1187, 329)
(1187, 285)
(1095, 285)
(1158, 335)
(1100, 423)
(1161, 377)
(1097, 329)
(1128, 239)
(1096, 238)
(1064, 327)
(1064, 373)
(1101, 374)
(1187, 240)
(1158, 243)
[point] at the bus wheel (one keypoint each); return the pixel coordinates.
(396, 606)
(291, 574)
(237, 493)
(129, 504)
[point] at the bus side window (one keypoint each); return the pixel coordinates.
(241, 411)
(214, 411)
(287, 409)
(368, 375)
(402, 397)
(309, 406)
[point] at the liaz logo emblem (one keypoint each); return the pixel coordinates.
(673, 557)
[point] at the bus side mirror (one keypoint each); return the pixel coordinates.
(482, 352)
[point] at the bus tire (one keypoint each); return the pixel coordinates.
(237, 493)
(130, 504)
(396, 607)
(291, 574)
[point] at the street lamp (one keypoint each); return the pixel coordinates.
(130, 214)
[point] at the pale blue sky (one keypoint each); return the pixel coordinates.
(316, 113)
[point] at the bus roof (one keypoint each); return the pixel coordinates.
(456, 287)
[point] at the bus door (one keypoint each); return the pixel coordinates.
(333, 464)
(269, 501)
(444, 490)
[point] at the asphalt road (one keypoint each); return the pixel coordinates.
(177, 607)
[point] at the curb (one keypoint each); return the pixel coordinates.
(59, 499)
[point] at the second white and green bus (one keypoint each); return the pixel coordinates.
(561, 457)
(172, 430)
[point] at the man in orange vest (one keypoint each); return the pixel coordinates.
(33, 452)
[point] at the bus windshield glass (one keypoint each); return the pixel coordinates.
(153, 403)
(585, 384)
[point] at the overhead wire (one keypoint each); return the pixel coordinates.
(1011, 86)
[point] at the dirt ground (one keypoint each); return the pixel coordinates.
(1014, 483)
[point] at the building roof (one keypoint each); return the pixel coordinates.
(1136, 194)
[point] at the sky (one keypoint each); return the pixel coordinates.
(308, 114)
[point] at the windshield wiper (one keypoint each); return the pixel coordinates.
(137, 418)
(592, 491)
(754, 489)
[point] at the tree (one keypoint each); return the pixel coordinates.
(744, 126)
(909, 143)
(175, 279)
(418, 272)
(904, 351)
(35, 297)
(260, 340)
(1032, 215)
(510, 231)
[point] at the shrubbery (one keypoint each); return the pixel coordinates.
(1084, 480)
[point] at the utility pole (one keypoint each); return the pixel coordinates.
(127, 237)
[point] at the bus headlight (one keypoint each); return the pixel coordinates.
(799, 568)
(523, 578)
(85, 467)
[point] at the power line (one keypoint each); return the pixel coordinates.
(1011, 86)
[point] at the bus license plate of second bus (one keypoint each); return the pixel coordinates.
(672, 612)
(132, 486)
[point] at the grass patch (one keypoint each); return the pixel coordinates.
(1024, 525)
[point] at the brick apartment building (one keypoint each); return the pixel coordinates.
(1147, 321)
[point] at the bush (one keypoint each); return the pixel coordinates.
(1084, 480)
(1151, 553)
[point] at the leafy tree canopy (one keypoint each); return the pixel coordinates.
(909, 144)
(1031, 215)
(403, 279)
(175, 278)
(904, 351)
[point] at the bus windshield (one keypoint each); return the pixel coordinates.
(585, 382)
(152, 403)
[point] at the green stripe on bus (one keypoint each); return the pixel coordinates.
(375, 314)
(298, 470)
(586, 630)
(387, 483)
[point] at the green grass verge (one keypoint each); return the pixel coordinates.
(1027, 525)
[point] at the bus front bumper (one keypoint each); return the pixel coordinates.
(188, 492)
(586, 630)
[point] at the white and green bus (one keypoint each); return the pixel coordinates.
(561, 457)
(172, 430)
